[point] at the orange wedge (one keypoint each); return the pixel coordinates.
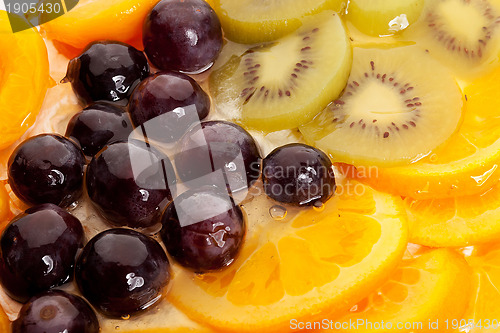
(457, 221)
(24, 79)
(311, 261)
(468, 164)
(92, 20)
(419, 297)
(483, 314)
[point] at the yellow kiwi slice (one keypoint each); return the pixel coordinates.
(398, 105)
(462, 34)
(256, 21)
(286, 83)
(383, 17)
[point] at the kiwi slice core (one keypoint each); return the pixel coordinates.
(285, 84)
(463, 34)
(398, 105)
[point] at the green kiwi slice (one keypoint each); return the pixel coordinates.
(257, 21)
(462, 34)
(286, 83)
(398, 105)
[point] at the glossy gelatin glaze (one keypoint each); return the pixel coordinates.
(400, 96)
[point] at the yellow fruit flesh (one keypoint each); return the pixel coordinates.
(303, 265)
(483, 311)
(421, 291)
(463, 35)
(24, 79)
(255, 21)
(455, 221)
(469, 163)
(391, 111)
(92, 20)
(383, 17)
(287, 83)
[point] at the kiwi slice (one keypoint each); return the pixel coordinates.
(383, 17)
(462, 34)
(398, 105)
(257, 21)
(286, 83)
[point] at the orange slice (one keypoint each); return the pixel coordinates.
(456, 221)
(301, 265)
(24, 79)
(483, 315)
(92, 20)
(468, 164)
(419, 296)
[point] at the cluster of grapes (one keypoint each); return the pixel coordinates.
(109, 153)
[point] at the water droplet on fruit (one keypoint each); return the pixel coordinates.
(433, 158)
(277, 212)
(319, 206)
(126, 317)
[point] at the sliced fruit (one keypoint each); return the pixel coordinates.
(431, 288)
(464, 35)
(456, 221)
(469, 163)
(4, 322)
(24, 79)
(93, 20)
(483, 311)
(5, 213)
(383, 17)
(256, 21)
(285, 84)
(398, 105)
(299, 265)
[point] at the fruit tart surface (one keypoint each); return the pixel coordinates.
(260, 166)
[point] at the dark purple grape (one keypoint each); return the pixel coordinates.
(98, 125)
(130, 183)
(203, 229)
(182, 35)
(175, 102)
(298, 174)
(218, 153)
(122, 271)
(107, 70)
(38, 250)
(56, 311)
(47, 168)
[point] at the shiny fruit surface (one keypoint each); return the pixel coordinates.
(38, 250)
(182, 35)
(166, 104)
(121, 272)
(203, 229)
(130, 183)
(54, 312)
(47, 168)
(98, 125)
(107, 70)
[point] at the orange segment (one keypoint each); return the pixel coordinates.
(484, 309)
(468, 164)
(312, 261)
(456, 221)
(24, 79)
(92, 20)
(431, 288)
